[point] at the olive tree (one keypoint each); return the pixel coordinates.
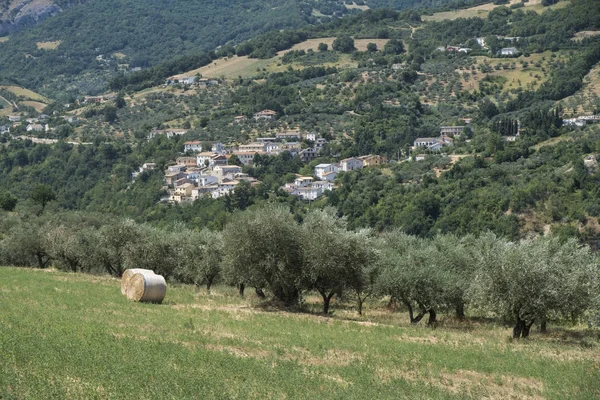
(526, 282)
(155, 249)
(455, 257)
(334, 257)
(69, 246)
(263, 249)
(112, 241)
(200, 257)
(26, 245)
(410, 275)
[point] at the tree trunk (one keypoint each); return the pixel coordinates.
(326, 300)
(208, 285)
(522, 329)
(543, 327)
(460, 310)
(418, 318)
(241, 288)
(518, 329)
(360, 305)
(410, 311)
(526, 329)
(432, 317)
(260, 293)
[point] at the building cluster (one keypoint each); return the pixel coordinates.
(35, 125)
(481, 41)
(581, 121)
(204, 172)
(264, 115)
(193, 81)
(446, 138)
(307, 188)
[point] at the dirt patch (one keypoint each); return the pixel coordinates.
(49, 45)
(242, 352)
(472, 383)
(579, 36)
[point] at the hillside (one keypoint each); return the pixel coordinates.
(17, 15)
(94, 44)
(74, 335)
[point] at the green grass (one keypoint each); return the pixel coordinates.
(74, 336)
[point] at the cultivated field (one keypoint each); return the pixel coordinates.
(26, 93)
(75, 336)
(234, 67)
(587, 99)
(49, 45)
(528, 73)
(483, 10)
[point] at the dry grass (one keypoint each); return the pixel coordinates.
(579, 36)
(530, 77)
(483, 10)
(119, 55)
(354, 5)
(234, 67)
(26, 93)
(587, 98)
(49, 45)
(39, 106)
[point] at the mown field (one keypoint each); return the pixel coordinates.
(75, 336)
(483, 10)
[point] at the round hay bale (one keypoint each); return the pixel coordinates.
(129, 273)
(146, 287)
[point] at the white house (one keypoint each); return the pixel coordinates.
(265, 115)
(205, 159)
(303, 181)
(426, 142)
(351, 164)
(452, 130)
(218, 148)
(288, 135)
(308, 193)
(273, 147)
(252, 147)
(204, 191)
(322, 169)
(14, 118)
(35, 128)
(311, 136)
(509, 51)
(226, 171)
(194, 146)
(171, 132)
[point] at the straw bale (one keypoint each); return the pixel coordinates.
(146, 288)
(128, 274)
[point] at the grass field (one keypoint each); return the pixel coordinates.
(49, 45)
(39, 107)
(483, 10)
(75, 336)
(530, 77)
(587, 99)
(234, 67)
(26, 93)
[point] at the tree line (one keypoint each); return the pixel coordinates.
(267, 248)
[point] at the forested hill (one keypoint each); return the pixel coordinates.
(138, 34)
(105, 35)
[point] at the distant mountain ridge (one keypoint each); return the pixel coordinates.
(19, 14)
